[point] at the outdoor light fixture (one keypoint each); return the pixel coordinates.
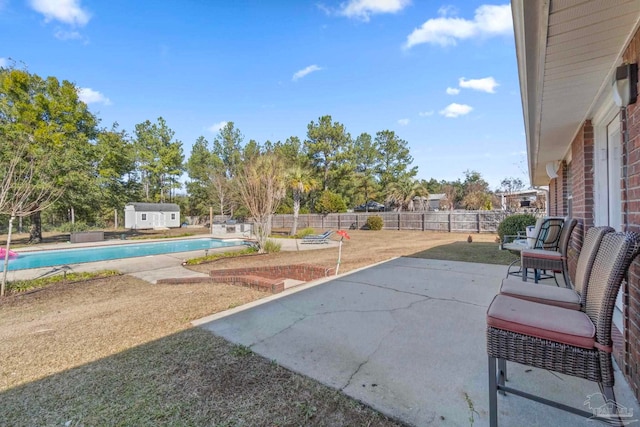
(552, 169)
(625, 85)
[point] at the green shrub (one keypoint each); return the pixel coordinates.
(68, 227)
(271, 246)
(375, 222)
(330, 202)
(514, 223)
(305, 232)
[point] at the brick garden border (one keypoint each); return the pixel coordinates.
(268, 278)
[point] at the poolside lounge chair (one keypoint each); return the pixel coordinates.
(318, 238)
(571, 342)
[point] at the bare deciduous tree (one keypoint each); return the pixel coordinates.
(24, 190)
(261, 186)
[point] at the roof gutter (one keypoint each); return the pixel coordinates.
(530, 26)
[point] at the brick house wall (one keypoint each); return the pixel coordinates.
(581, 190)
(631, 220)
(577, 180)
(558, 192)
(553, 197)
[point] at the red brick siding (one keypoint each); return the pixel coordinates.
(561, 206)
(558, 192)
(630, 360)
(582, 190)
(553, 197)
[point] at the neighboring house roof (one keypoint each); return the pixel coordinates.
(567, 52)
(155, 207)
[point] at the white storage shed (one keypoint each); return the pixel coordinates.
(151, 215)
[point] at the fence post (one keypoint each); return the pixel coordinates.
(339, 216)
(450, 226)
(479, 228)
(423, 222)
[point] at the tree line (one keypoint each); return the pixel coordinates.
(77, 170)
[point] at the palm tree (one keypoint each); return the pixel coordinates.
(300, 181)
(402, 192)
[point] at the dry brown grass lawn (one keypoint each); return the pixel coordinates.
(120, 351)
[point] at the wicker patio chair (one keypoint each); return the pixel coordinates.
(573, 298)
(542, 260)
(547, 235)
(576, 343)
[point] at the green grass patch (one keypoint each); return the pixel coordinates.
(228, 254)
(482, 252)
(26, 285)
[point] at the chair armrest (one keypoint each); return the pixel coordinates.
(508, 238)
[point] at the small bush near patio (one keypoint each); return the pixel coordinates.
(375, 222)
(514, 223)
(272, 246)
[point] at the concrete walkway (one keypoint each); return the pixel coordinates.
(406, 337)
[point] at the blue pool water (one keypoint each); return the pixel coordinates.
(74, 256)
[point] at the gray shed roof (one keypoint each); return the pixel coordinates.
(155, 207)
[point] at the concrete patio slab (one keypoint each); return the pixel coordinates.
(408, 338)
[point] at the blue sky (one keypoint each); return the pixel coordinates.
(442, 75)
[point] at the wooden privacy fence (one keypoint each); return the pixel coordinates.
(450, 221)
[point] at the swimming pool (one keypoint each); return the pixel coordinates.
(52, 258)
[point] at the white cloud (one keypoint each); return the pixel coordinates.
(425, 113)
(4, 63)
(403, 122)
(67, 35)
(452, 91)
(90, 96)
(66, 11)
(217, 127)
(489, 20)
(488, 84)
(456, 110)
(301, 73)
(363, 9)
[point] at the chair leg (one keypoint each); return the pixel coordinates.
(564, 278)
(555, 277)
(513, 264)
(610, 397)
(502, 374)
(493, 393)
